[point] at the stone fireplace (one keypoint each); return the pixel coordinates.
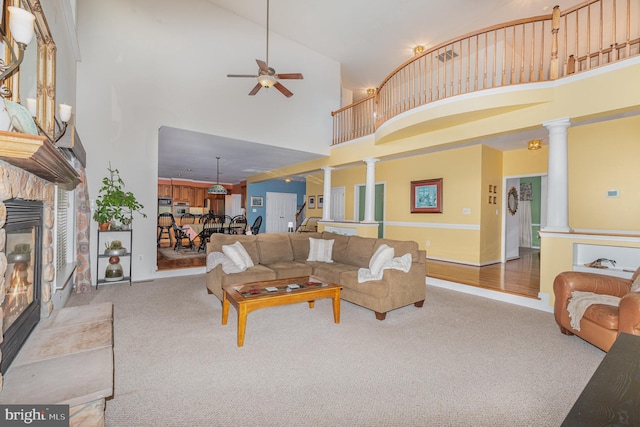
(21, 188)
(30, 169)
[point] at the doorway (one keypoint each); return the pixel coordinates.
(280, 211)
(523, 220)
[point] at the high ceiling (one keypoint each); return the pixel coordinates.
(369, 38)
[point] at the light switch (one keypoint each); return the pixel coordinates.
(466, 211)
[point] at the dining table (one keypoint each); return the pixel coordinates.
(193, 230)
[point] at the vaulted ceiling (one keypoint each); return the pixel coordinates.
(369, 38)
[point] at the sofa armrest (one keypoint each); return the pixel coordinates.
(567, 282)
(629, 314)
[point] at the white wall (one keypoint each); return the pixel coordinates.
(151, 63)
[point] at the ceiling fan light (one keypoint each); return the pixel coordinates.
(266, 80)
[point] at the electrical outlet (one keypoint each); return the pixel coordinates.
(428, 243)
(466, 211)
(139, 257)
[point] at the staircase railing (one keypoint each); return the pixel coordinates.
(541, 48)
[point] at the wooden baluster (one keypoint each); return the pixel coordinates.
(555, 26)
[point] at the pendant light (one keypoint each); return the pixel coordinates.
(217, 188)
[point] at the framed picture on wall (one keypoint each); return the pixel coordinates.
(311, 201)
(320, 201)
(257, 201)
(426, 196)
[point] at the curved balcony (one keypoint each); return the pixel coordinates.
(541, 48)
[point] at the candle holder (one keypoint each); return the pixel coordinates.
(64, 111)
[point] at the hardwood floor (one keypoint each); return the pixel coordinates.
(164, 263)
(519, 276)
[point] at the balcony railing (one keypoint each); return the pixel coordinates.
(541, 48)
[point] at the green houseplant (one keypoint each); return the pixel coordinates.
(114, 205)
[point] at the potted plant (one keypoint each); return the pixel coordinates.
(114, 205)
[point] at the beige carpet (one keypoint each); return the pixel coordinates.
(171, 253)
(461, 360)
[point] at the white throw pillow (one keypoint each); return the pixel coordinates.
(320, 250)
(238, 255)
(383, 254)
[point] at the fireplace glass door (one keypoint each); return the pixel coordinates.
(19, 275)
(22, 284)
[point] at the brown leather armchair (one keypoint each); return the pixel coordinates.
(601, 323)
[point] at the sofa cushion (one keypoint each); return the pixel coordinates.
(287, 269)
(383, 254)
(359, 251)
(217, 240)
(400, 247)
(339, 246)
(300, 244)
(238, 254)
(274, 247)
(256, 273)
(331, 272)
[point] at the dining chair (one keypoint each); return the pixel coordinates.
(165, 222)
(181, 236)
(255, 228)
(187, 218)
(238, 225)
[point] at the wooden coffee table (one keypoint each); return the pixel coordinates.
(252, 296)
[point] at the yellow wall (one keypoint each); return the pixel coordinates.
(524, 162)
(491, 205)
(605, 156)
(452, 235)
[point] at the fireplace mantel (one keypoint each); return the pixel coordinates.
(37, 155)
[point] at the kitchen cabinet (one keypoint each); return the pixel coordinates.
(182, 193)
(165, 190)
(198, 196)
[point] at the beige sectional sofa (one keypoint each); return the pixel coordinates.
(284, 255)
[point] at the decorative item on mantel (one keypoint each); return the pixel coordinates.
(115, 206)
(64, 111)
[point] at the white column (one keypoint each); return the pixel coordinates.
(558, 176)
(326, 202)
(370, 191)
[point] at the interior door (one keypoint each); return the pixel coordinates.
(337, 204)
(280, 210)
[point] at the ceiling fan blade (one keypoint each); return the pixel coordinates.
(263, 65)
(255, 89)
(289, 76)
(242, 75)
(286, 92)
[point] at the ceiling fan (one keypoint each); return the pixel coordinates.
(267, 76)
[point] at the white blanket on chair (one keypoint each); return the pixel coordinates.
(402, 263)
(580, 301)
